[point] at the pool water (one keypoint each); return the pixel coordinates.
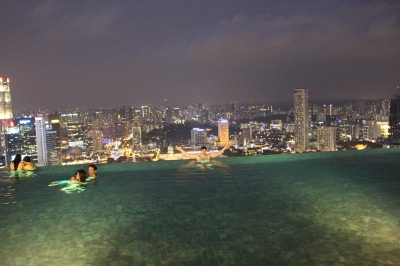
(338, 208)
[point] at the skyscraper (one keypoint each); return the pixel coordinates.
(223, 131)
(301, 119)
(48, 139)
(40, 124)
(5, 99)
(394, 120)
(198, 136)
(136, 136)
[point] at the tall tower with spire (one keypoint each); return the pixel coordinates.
(5, 99)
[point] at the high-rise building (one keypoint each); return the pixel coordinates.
(394, 120)
(326, 138)
(53, 135)
(48, 139)
(5, 99)
(40, 125)
(301, 119)
(136, 136)
(94, 140)
(223, 131)
(198, 136)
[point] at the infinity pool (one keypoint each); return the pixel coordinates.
(338, 208)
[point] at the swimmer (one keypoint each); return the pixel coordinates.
(80, 176)
(28, 165)
(17, 163)
(92, 170)
(203, 157)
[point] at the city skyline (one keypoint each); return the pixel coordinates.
(101, 54)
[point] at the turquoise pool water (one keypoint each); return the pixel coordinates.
(339, 208)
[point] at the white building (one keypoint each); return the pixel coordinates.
(40, 124)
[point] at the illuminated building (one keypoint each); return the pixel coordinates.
(276, 125)
(326, 138)
(120, 130)
(48, 139)
(301, 119)
(75, 134)
(94, 140)
(136, 136)
(146, 112)
(394, 120)
(223, 131)
(198, 136)
(40, 124)
(5, 99)
(107, 131)
(28, 134)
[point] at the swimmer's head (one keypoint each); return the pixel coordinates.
(81, 174)
(203, 148)
(92, 170)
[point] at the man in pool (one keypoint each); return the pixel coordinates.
(92, 172)
(203, 157)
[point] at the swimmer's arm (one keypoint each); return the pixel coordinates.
(192, 156)
(221, 151)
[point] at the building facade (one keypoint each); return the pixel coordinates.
(394, 120)
(5, 99)
(301, 120)
(223, 131)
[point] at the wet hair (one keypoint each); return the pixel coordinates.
(203, 148)
(16, 161)
(93, 166)
(27, 159)
(82, 175)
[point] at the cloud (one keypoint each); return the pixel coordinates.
(361, 31)
(58, 21)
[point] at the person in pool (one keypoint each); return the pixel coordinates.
(17, 163)
(28, 165)
(92, 170)
(203, 157)
(80, 176)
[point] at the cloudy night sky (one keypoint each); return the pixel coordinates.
(111, 53)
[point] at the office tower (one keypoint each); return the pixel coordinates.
(301, 119)
(394, 120)
(74, 134)
(11, 142)
(145, 113)
(28, 133)
(223, 131)
(48, 139)
(40, 124)
(136, 136)
(198, 136)
(5, 99)
(53, 135)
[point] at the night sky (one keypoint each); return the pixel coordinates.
(108, 53)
